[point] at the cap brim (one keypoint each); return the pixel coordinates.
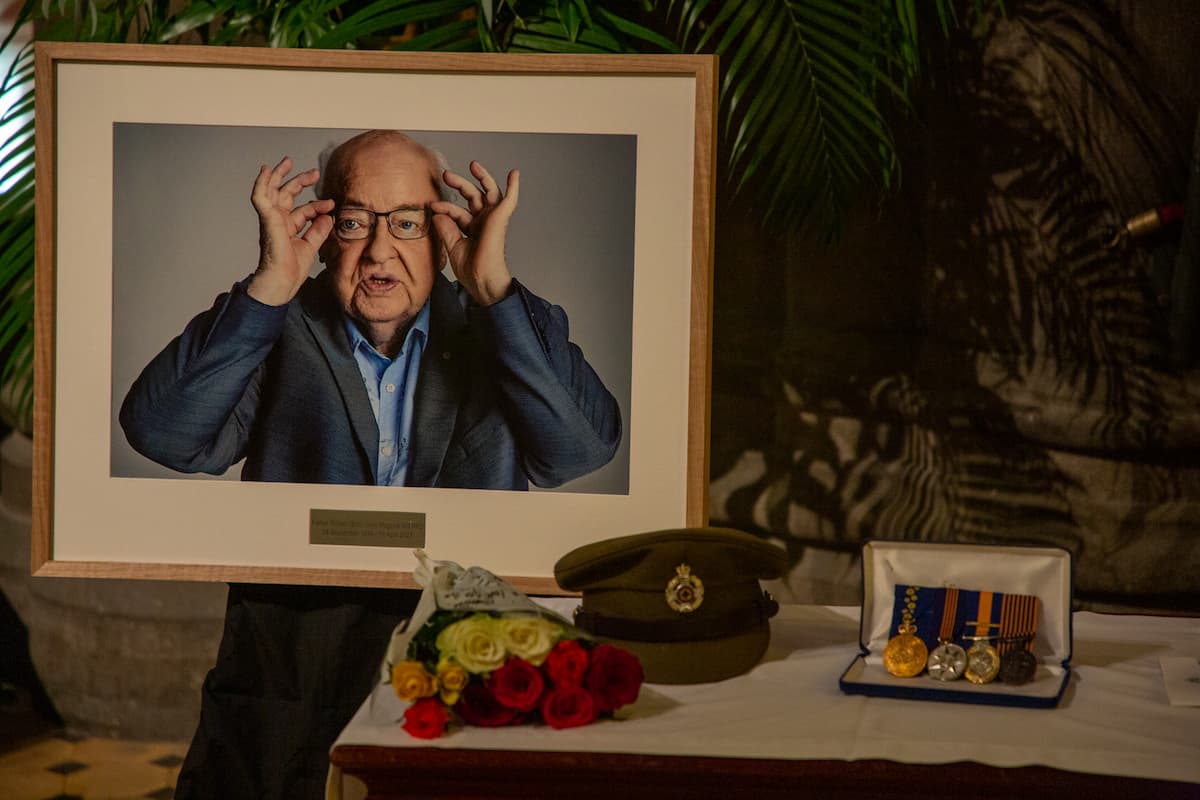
(704, 661)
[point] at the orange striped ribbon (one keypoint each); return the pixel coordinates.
(983, 617)
(1018, 622)
(949, 610)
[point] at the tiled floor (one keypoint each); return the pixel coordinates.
(42, 764)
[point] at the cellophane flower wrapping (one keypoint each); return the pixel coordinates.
(479, 652)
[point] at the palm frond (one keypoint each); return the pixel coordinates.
(578, 26)
(441, 24)
(456, 36)
(634, 31)
(817, 75)
(800, 94)
(16, 227)
(550, 35)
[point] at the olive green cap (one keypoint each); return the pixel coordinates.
(687, 602)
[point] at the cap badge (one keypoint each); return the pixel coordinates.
(685, 592)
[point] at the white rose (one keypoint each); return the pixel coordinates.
(474, 643)
(529, 637)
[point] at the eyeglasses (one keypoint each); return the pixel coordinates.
(351, 224)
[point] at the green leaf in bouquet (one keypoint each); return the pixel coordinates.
(423, 646)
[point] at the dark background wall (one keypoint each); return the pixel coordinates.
(969, 362)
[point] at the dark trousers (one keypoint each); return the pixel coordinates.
(294, 665)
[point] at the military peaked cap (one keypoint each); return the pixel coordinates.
(686, 601)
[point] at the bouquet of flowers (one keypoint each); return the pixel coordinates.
(490, 656)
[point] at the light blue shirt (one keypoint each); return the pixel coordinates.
(391, 386)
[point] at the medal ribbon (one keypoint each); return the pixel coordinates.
(923, 605)
(949, 611)
(1018, 622)
(983, 614)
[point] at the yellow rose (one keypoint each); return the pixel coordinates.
(412, 682)
(451, 679)
(474, 643)
(529, 637)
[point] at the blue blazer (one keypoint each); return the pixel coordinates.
(503, 397)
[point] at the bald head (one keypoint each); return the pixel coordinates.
(339, 163)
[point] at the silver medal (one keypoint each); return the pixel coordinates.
(947, 662)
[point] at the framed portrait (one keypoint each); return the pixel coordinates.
(189, 427)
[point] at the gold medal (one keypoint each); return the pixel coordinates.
(905, 654)
(983, 662)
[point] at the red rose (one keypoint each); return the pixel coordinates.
(614, 677)
(477, 706)
(567, 663)
(426, 718)
(568, 707)
(517, 684)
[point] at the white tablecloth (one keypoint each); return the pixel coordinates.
(1114, 718)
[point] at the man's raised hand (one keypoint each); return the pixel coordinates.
(473, 237)
(285, 249)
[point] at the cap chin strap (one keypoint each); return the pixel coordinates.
(683, 629)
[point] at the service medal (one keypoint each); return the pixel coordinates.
(1018, 664)
(905, 654)
(983, 663)
(1018, 667)
(983, 660)
(947, 662)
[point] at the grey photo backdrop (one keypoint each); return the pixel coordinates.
(184, 231)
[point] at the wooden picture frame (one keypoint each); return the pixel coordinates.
(102, 107)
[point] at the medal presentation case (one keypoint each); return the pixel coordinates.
(921, 600)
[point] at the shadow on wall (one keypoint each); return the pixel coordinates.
(970, 363)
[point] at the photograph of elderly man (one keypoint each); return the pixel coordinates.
(415, 357)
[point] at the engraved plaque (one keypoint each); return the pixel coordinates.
(366, 528)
